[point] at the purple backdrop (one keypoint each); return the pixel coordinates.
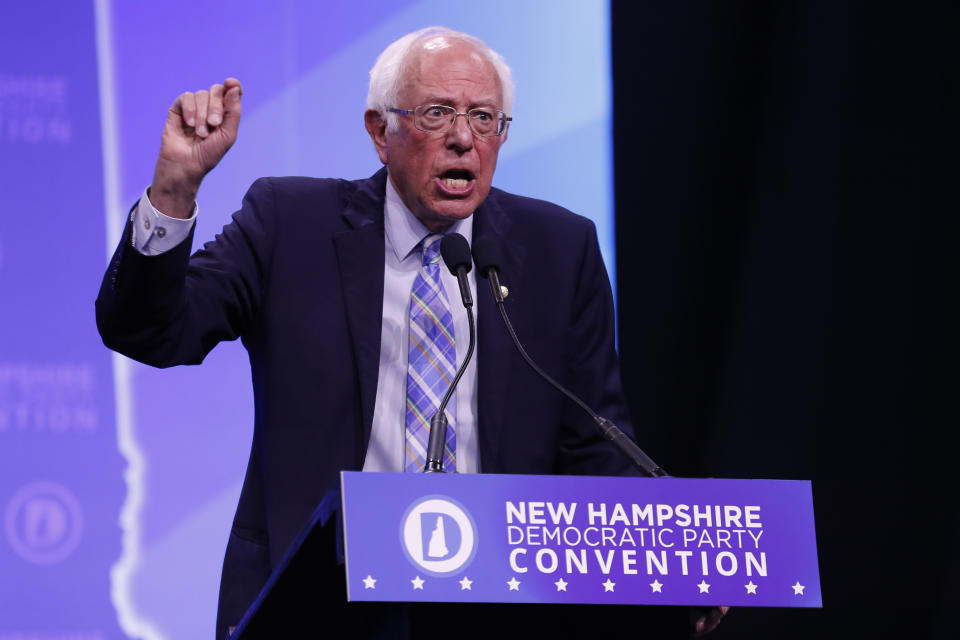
(118, 482)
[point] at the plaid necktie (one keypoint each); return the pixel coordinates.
(431, 362)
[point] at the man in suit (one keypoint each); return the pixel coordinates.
(315, 277)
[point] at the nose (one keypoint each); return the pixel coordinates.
(460, 136)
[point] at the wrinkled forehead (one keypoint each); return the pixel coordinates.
(439, 57)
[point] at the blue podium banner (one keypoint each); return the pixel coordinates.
(576, 539)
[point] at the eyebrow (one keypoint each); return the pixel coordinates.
(450, 101)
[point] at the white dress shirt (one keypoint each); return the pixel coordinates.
(155, 233)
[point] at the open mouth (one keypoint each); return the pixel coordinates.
(456, 179)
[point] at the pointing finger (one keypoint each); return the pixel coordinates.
(215, 107)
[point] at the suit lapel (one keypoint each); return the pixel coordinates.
(360, 257)
(495, 351)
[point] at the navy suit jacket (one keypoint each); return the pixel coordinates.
(298, 277)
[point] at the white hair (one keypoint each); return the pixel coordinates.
(386, 76)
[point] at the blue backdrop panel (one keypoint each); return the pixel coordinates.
(185, 432)
(61, 477)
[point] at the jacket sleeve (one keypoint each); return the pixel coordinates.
(173, 308)
(593, 372)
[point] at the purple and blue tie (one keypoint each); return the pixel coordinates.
(431, 362)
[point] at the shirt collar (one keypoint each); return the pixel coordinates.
(404, 231)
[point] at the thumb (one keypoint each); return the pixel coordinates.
(232, 107)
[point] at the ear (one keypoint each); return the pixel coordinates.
(377, 128)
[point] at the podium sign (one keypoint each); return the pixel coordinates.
(575, 539)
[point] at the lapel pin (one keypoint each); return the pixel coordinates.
(504, 291)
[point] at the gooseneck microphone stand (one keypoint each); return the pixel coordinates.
(456, 255)
(486, 254)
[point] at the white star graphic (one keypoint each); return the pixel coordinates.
(465, 584)
(561, 584)
(656, 586)
(798, 589)
(417, 583)
(751, 588)
(608, 585)
(369, 582)
(704, 587)
(514, 584)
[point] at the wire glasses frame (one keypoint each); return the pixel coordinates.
(439, 118)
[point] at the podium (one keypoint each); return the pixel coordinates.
(388, 540)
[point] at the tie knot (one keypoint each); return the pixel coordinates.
(431, 249)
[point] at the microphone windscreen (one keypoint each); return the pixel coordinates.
(456, 252)
(486, 253)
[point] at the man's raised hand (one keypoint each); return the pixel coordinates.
(201, 126)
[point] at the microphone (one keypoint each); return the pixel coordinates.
(456, 255)
(486, 253)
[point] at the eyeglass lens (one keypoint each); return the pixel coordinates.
(439, 118)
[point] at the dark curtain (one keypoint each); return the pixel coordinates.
(784, 171)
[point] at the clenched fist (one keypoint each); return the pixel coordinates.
(201, 126)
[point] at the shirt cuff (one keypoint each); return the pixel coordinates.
(154, 232)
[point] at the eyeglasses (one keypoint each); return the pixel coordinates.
(439, 118)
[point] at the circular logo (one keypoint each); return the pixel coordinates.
(43, 522)
(438, 535)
